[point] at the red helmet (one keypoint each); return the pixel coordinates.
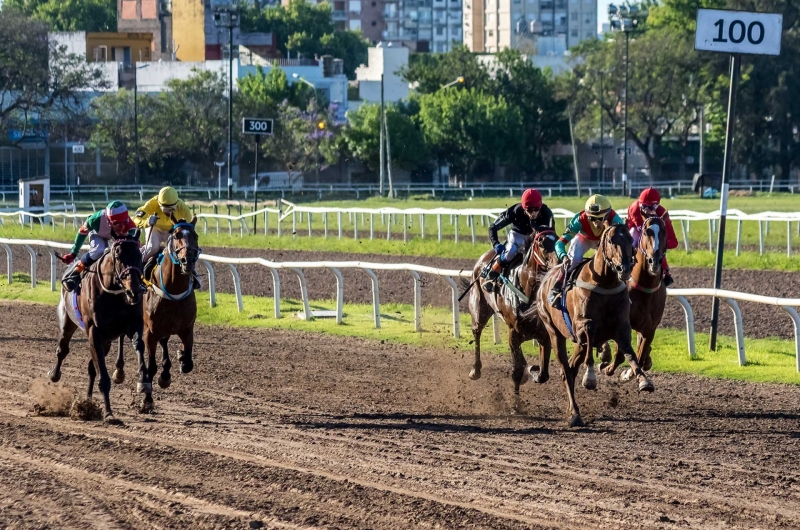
(650, 196)
(531, 199)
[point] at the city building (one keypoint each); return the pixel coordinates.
(148, 16)
(535, 27)
(384, 60)
(423, 25)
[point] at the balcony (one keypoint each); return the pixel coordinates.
(339, 15)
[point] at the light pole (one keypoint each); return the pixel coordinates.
(601, 74)
(219, 178)
(459, 79)
(626, 19)
(136, 115)
(226, 15)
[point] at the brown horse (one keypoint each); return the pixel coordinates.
(109, 305)
(522, 326)
(599, 309)
(170, 307)
(648, 296)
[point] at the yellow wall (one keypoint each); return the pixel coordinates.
(138, 42)
(188, 29)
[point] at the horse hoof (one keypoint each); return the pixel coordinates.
(54, 375)
(164, 382)
(186, 366)
(589, 384)
(648, 364)
(626, 375)
(118, 376)
(109, 419)
(576, 421)
(146, 408)
(144, 388)
(474, 374)
(645, 385)
(537, 376)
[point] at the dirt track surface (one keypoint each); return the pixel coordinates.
(759, 320)
(295, 430)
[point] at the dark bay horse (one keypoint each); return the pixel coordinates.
(648, 296)
(109, 306)
(524, 325)
(599, 309)
(170, 307)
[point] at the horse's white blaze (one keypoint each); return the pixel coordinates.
(655, 229)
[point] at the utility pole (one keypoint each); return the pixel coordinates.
(625, 126)
(230, 111)
(602, 178)
(383, 145)
(702, 162)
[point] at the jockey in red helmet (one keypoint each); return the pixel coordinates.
(526, 218)
(649, 205)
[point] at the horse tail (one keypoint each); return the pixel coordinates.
(463, 283)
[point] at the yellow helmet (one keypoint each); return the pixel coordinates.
(597, 206)
(167, 197)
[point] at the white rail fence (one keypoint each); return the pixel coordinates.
(405, 219)
(680, 295)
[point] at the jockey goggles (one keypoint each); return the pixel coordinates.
(649, 208)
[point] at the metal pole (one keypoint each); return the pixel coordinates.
(574, 151)
(625, 125)
(702, 161)
(602, 124)
(736, 62)
(230, 109)
(136, 119)
(383, 144)
(388, 155)
(255, 187)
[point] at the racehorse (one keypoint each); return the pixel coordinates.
(522, 326)
(598, 309)
(170, 307)
(108, 306)
(648, 296)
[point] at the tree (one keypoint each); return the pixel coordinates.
(664, 90)
(39, 80)
(466, 127)
(429, 72)
(306, 29)
(70, 15)
(362, 137)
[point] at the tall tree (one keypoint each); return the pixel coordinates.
(70, 15)
(429, 72)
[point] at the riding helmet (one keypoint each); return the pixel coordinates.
(650, 196)
(167, 197)
(531, 199)
(597, 206)
(116, 212)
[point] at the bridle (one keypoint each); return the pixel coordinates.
(119, 276)
(604, 242)
(640, 248)
(535, 248)
(192, 255)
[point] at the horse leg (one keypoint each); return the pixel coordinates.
(568, 377)
(134, 333)
(480, 313)
(92, 375)
(590, 377)
(619, 358)
(515, 343)
(98, 348)
(165, 378)
(68, 328)
(624, 343)
(542, 375)
(185, 353)
(604, 351)
(118, 377)
(643, 346)
(150, 342)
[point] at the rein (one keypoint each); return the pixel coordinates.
(118, 275)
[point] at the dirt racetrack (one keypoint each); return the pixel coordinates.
(280, 429)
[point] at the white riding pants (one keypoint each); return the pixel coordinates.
(154, 238)
(97, 245)
(514, 243)
(578, 247)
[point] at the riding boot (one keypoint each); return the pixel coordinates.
(195, 282)
(490, 285)
(668, 280)
(149, 267)
(73, 279)
(555, 292)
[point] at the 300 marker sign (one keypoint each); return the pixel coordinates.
(256, 126)
(738, 32)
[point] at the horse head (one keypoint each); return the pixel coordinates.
(616, 247)
(183, 245)
(126, 262)
(543, 250)
(653, 244)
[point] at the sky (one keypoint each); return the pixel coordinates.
(602, 13)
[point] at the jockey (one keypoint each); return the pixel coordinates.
(649, 205)
(111, 222)
(583, 233)
(529, 216)
(157, 216)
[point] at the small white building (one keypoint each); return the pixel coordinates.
(386, 60)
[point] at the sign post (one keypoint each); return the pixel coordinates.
(733, 32)
(256, 126)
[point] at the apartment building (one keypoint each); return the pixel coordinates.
(423, 25)
(535, 27)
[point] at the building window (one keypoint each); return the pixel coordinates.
(491, 33)
(440, 30)
(374, 4)
(574, 33)
(587, 20)
(374, 23)
(129, 10)
(589, 35)
(573, 16)
(491, 18)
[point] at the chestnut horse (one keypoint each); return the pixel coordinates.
(522, 326)
(599, 309)
(109, 305)
(648, 296)
(170, 307)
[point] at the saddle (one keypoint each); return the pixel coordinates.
(517, 261)
(569, 281)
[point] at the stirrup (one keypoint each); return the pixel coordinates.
(554, 299)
